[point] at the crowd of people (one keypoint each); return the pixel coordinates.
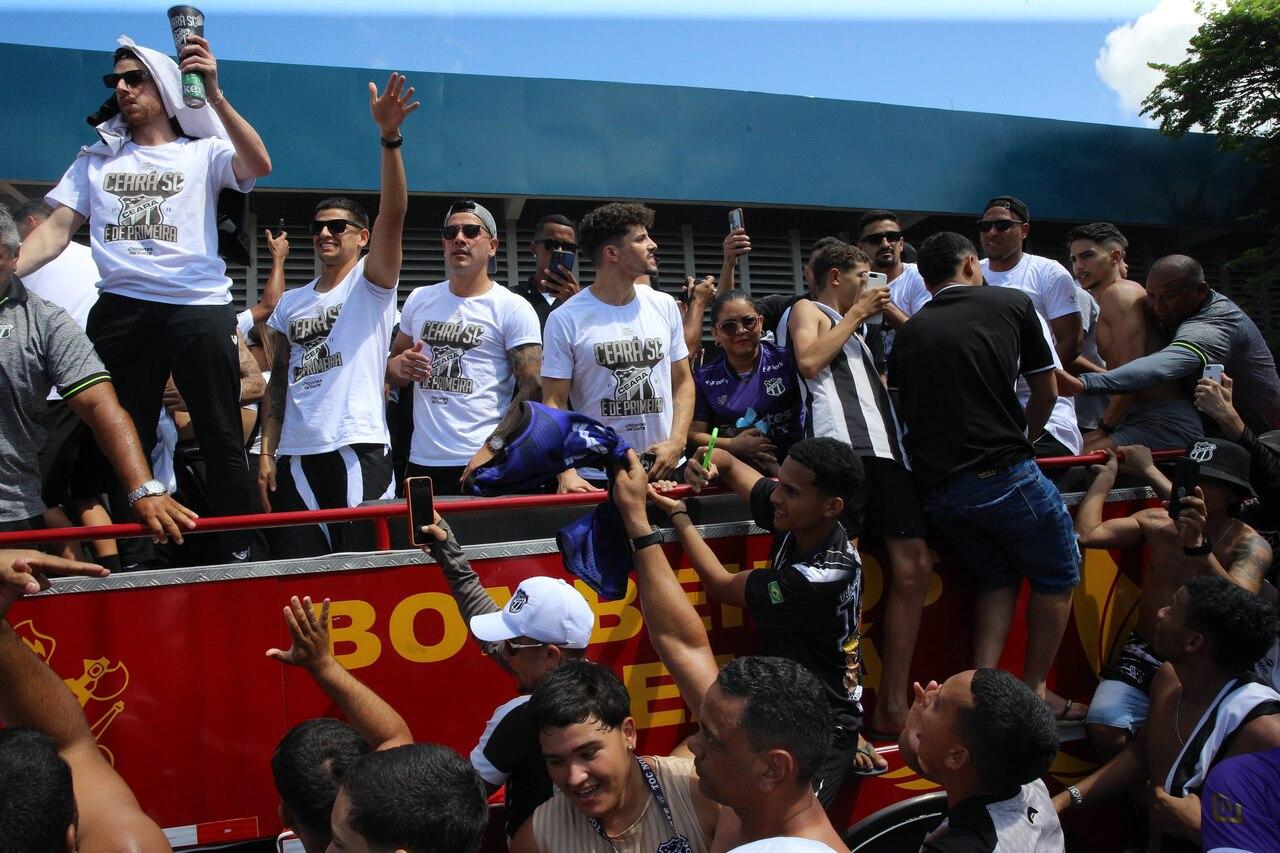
(908, 413)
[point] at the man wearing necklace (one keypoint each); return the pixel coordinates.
(1205, 539)
(1204, 709)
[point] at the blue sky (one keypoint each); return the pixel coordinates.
(1025, 57)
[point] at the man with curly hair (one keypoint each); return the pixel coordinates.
(616, 351)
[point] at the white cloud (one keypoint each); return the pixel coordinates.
(1161, 35)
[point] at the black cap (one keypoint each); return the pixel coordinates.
(1013, 205)
(1223, 461)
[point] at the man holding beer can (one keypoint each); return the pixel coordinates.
(149, 191)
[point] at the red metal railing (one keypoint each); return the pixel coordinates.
(381, 513)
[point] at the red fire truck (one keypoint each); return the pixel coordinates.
(170, 669)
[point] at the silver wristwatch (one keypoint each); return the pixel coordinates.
(149, 489)
(1076, 799)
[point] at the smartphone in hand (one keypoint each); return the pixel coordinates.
(735, 219)
(1214, 372)
(876, 279)
(561, 261)
(421, 502)
(1186, 475)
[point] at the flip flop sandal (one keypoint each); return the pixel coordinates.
(869, 752)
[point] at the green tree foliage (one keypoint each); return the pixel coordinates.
(1229, 85)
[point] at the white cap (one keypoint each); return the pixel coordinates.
(546, 610)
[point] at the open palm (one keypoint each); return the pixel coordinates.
(391, 107)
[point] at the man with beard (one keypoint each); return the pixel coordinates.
(149, 191)
(616, 351)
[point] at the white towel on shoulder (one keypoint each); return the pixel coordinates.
(198, 124)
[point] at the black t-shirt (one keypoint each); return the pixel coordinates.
(509, 753)
(954, 365)
(773, 306)
(529, 290)
(807, 607)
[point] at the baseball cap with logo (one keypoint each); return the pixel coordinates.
(546, 610)
(1011, 204)
(1223, 461)
(466, 205)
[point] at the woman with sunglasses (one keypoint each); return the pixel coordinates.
(750, 392)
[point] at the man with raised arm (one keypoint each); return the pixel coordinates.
(323, 415)
(764, 721)
(63, 791)
(149, 192)
(313, 756)
(472, 350)
(616, 352)
(1206, 539)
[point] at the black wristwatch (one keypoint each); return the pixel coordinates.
(652, 538)
(392, 143)
(1201, 550)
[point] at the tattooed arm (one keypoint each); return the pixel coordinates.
(271, 415)
(526, 364)
(1250, 560)
(251, 384)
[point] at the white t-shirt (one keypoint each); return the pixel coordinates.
(1047, 282)
(471, 382)
(618, 358)
(783, 844)
(153, 223)
(338, 344)
(69, 281)
(1062, 419)
(908, 292)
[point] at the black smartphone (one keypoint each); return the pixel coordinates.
(1186, 476)
(421, 500)
(280, 227)
(647, 459)
(561, 261)
(735, 219)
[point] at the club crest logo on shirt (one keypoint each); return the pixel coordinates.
(774, 387)
(518, 601)
(1226, 810)
(312, 335)
(631, 362)
(142, 196)
(449, 342)
(1203, 451)
(6, 331)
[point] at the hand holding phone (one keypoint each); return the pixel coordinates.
(735, 219)
(1186, 475)
(1214, 372)
(877, 280)
(422, 511)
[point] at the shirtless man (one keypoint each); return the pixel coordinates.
(1202, 710)
(1162, 415)
(1204, 540)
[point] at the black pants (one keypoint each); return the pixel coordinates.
(142, 343)
(444, 478)
(345, 477)
(835, 768)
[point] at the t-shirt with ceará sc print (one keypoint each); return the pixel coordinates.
(471, 384)
(153, 220)
(338, 344)
(618, 359)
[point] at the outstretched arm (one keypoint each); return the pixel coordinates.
(675, 629)
(737, 475)
(382, 266)
(32, 694)
(369, 714)
(48, 239)
(1090, 528)
(274, 289)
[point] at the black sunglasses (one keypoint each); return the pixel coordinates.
(133, 79)
(730, 327)
(551, 244)
(335, 226)
(875, 239)
(470, 231)
(1001, 225)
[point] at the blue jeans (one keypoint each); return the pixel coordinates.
(1006, 525)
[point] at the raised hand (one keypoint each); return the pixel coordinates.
(736, 244)
(310, 634)
(393, 106)
(196, 56)
(279, 245)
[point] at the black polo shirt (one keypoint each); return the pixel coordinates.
(535, 297)
(954, 365)
(509, 754)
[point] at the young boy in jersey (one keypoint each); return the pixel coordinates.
(323, 413)
(845, 399)
(807, 604)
